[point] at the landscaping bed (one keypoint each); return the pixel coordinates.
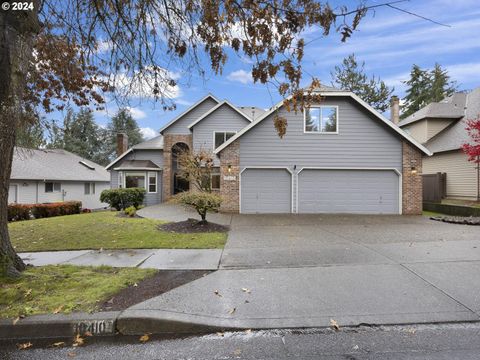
(193, 226)
(462, 220)
(105, 230)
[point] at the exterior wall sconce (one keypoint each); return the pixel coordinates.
(413, 170)
(229, 168)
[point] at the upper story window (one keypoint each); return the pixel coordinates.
(221, 136)
(321, 119)
(51, 187)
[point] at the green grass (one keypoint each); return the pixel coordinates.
(104, 230)
(431, 213)
(64, 288)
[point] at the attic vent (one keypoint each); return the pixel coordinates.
(88, 166)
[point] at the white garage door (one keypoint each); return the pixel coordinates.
(348, 191)
(266, 191)
(12, 194)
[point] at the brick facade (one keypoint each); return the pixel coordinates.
(230, 180)
(412, 191)
(168, 141)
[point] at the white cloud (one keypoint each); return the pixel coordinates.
(240, 76)
(148, 133)
(137, 114)
(463, 72)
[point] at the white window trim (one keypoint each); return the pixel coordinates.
(320, 132)
(148, 182)
(224, 132)
(53, 187)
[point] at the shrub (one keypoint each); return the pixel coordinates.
(56, 209)
(18, 212)
(202, 202)
(130, 211)
(121, 199)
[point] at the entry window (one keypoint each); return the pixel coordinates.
(135, 180)
(89, 188)
(215, 179)
(152, 182)
(322, 119)
(51, 187)
(221, 137)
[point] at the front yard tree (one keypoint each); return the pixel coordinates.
(351, 76)
(196, 167)
(64, 51)
(472, 148)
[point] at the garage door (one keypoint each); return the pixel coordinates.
(348, 191)
(266, 191)
(12, 194)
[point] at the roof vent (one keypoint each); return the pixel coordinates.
(88, 166)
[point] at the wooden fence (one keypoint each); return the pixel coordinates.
(434, 187)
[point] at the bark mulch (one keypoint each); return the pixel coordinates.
(458, 220)
(193, 226)
(161, 282)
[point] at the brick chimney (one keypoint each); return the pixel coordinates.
(395, 109)
(122, 143)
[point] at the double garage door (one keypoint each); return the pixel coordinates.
(320, 191)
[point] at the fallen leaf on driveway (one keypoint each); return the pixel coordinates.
(57, 310)
(411, 331)
(221, 334)
(246, 290)
(248, 331)
(71, 354)
(237, 352)
(144, 338)
(58, 344)
(78, 341)
(217, 293)
(24, 346)
(232, 311)
(334, 325)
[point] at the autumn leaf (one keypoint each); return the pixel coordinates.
(15, 320)
(28, 292)
(24, 346)
(58, 344)
(217, 293)
(71, 354)
(221, 334)
(87, 333)
(246, 290)
(334, 325)
(144, 338)
(248, 331)
(78, 341)
(237, 352)
(135, 285)
(57, 310)
(232, 311)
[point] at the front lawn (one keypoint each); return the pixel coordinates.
(63, 289)
(104, 230)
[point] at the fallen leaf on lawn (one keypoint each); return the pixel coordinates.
(24, 346)
(135, 285)
(71, 354)
(57, 310)
(232, 311)
(237, 352)
(220, 334)
(29, 291)
(144, 338)
(78, 341)
(246, 290)
(58, 344)
(334, 324)
(110, 301)
(217, 293)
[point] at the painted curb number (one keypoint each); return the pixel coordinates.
(95, 327)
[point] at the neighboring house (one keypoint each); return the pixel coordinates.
(441, 128)
(52, 175)
(339, 156)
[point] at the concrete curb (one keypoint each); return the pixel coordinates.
(60, 325)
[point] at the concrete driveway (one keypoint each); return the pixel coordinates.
(268, 241)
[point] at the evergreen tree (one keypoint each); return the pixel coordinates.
(426, 86)
(31, 135)
(351, 76)
(122, 121)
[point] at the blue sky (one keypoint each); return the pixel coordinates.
(388, 41)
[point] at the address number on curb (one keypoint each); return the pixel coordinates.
(96, 327)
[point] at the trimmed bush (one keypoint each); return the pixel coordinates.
(56, 209)
(18, 212)
(202, 202)
(121, 199)
(130, 211)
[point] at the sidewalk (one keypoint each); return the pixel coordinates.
(163, 259)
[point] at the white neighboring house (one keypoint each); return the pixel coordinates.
(53, 175)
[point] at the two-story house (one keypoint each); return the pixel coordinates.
(338, 156)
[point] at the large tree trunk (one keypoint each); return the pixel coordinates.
(17, 29)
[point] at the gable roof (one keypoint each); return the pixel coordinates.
(54, 164)
(455, 135)
(178, 117)
(330, 92)
(452, 107)
(155, 143)
(215, 108)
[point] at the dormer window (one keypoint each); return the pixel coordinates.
(221, 136)
(321, 120)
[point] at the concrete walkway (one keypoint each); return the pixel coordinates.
(164, 259)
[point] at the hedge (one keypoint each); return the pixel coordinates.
(449, 209)
(27, 211)
(120, 199)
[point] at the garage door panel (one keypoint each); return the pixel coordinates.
(348, 191)
(266, 191)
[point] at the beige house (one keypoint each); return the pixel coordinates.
(441, 128)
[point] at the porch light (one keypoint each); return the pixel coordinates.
(229, 168)
(413, 170)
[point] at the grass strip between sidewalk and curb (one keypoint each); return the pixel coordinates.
(104, 230)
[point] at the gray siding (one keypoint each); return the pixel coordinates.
(362, 141)
(156, 156)
(181, 125)
(223, 119)
(150, 198)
